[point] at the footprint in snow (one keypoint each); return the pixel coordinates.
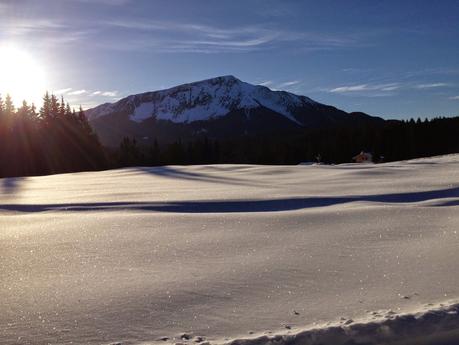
(185, 336)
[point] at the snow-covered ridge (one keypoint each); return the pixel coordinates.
(433, 325)
(204, 100)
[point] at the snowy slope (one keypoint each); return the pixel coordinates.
(220, 108)
(232, 253)
(204, 100)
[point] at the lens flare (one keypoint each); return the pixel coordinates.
(21, 76)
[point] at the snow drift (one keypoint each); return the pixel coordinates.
(241, 254)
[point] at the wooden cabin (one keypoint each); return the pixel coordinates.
(363, 157)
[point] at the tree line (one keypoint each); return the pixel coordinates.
(58, 139)
(53, 139)
(388, 141)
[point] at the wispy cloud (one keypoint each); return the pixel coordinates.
(77, 92)
(105, 93)
(356, 70)
(29, 25)
(390, 87)
(266, 83)
(361, 88)
(431, 86)
(176, 37)
(349, 88)
(161, 36)
(110, 93)
(454, 97)
(40, 32)
(62, 91)
(289, 83)
(106, 2)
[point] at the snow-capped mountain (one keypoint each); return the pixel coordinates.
(204, 100)
(203, 107)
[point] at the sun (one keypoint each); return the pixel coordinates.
(21, 76)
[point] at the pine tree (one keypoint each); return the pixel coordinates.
(33, 111)
(2, 116)
(24, 111)
(68, 111)
(9, 106)
(45, 110)
(62, 108)
(84, 122)
(2, 107)
(55, 107)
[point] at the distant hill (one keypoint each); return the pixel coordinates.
(217, 108)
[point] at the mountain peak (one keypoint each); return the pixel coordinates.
(218, 107)
(224, 79)
(204, 100)
(228, 77)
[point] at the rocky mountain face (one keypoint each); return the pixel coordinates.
(218, 108)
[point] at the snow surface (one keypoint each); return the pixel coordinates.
(207, 99)
(240, 254)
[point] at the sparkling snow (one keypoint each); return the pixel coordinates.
(275, 254)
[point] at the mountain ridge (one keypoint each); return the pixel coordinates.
(205, 107)
(231, 92)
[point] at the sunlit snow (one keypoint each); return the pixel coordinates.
(207, 99)
(222, 252)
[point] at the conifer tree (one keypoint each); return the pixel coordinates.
(45, 110)
(55, 107)
(9, 106)
(62, 109)
(33, 111)
(24, 111)
(68, 111)
(84, 121)
(2, 116)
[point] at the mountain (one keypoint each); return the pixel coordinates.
(221, 107)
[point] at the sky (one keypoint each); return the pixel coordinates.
(395, 59)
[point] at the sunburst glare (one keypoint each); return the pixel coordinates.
(21, 75)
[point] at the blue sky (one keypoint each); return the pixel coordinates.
(395, 59)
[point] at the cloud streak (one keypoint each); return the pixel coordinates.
(161, 36)
(365, 88)
(62, 91)
(289, 83)
(77, 92)
(431, 86)
(386, 89)
(106, 2)
(173, 37)
(109, 93)
(68, 91)
(266, 83)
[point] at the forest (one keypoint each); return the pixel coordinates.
(390, 141)
(54, 139)
(58, 139)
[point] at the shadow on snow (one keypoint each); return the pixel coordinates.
(230, 206)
